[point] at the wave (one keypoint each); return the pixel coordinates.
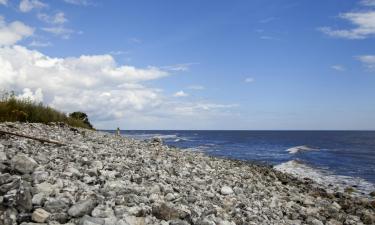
(301, 148)
(322, 177)
(166, 136)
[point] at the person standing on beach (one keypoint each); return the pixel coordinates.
(118, 131)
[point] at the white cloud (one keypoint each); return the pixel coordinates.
(13, 32)
(3, 2)
(249, 80)
(364, 23)
(368, 61)
(79, 2)
(35, 43)
(59, 31)
(196, 87)
(91, 83)
(58, 18)
(28, 5)
(180, 94)
(338, 67)
(36, 96)
(111, 94)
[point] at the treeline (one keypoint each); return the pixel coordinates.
(14, 109)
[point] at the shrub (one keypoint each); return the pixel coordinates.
(25, 110)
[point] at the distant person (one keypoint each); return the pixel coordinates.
(118, 131)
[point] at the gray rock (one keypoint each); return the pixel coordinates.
(56, 205)
(88, 220)
(82, 208)
(23, 164)
(165, 211)
(103, 211)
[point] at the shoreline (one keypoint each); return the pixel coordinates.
(99, 178)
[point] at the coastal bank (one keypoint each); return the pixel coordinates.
(96, 178)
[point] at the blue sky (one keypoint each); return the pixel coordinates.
(265, 64)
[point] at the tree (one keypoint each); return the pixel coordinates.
(81, 116)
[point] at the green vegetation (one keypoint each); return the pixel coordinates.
(13, 109)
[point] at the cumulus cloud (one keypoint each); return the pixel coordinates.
(36, 96)
(364, 25)
(58, 18)
(93, 83)
(28, 5)
(13, 32)
(338, 68)
(180, 94)
(109, 93)
(368, 61)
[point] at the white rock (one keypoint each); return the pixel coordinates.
(226, 190)
(40, 215)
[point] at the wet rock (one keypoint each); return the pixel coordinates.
(82, 208)
(23, 164)
(40, 215)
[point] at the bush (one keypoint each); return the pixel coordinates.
(13, 109)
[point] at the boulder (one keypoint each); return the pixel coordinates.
(23, 164)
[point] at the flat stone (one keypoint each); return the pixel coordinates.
(40, 215)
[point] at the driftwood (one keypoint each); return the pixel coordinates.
(33, 138)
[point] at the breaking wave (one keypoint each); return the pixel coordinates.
(302, 148)
(328, 180)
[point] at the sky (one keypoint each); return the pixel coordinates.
(215, 64)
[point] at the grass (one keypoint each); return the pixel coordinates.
(13, 109)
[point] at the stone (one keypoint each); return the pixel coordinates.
(38, 199)
(82, 208)
(88, 220)
(165, 212)
(3, 155)
(102, 211)
(40, 215)
(24, 198)
(226, 190)
(23, 164)
(56, 205)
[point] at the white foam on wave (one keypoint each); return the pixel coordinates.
(166, 136)
(330, 181)
(301, 148)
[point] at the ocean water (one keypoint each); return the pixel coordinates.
(338, 158)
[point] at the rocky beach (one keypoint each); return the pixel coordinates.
(95, 178)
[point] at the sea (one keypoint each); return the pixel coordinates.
(335, 159)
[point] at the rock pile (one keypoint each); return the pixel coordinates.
(102, 179)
